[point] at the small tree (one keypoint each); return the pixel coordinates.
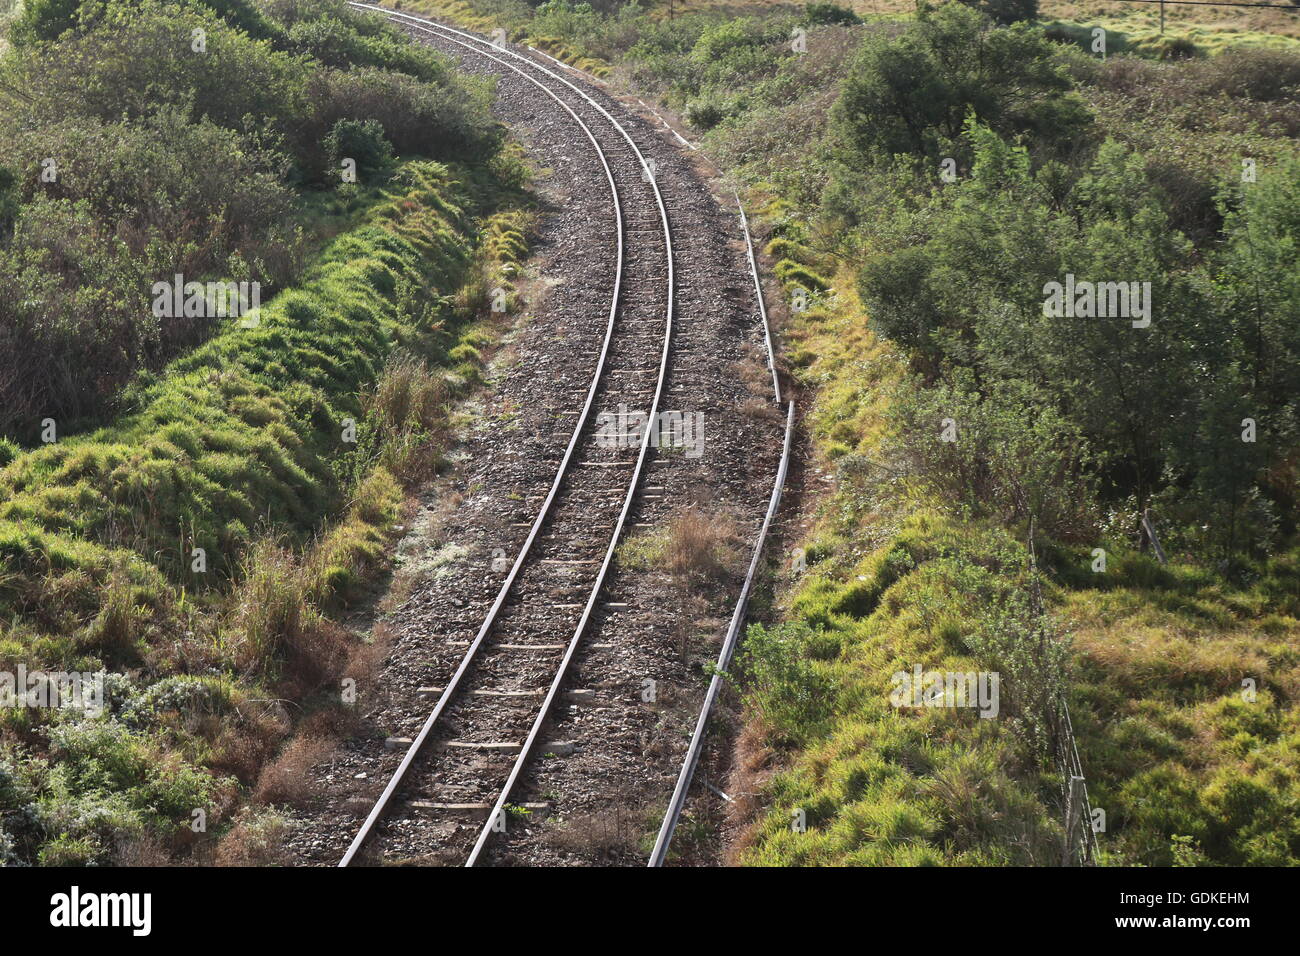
(1006, 12)
(359, 140)
(43, 20)
(832, 14)
(912, 93)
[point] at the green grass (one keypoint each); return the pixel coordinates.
(1186, 766)
(1184, 763)
(884, 786)
(1137, 32)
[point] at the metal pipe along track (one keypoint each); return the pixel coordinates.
(678, 801)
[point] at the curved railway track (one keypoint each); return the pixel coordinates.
(521, 634)
(490, 719)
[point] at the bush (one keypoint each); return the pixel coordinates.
(1006, 12)
(1179, 48)
(781, 682)
(361, 141)
(130, 64)
(244, 15)
(1258, 73)
(416, 118)
(704, 114)
(43, 20)
(9, 201)
(345, 41)
(913, 93)
(1013, 456)
(829, 14)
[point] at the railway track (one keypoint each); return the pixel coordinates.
(489, 717)
(479, 752)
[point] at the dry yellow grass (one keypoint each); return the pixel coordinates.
(287, 779)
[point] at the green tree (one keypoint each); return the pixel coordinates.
(42, 20)
(359, 140)
(1006, 11)
(911, 94)
(972, 291)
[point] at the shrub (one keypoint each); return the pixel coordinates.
(782, 683)
(361, 141)
(133, 204)
(1006, 12)
(829, 14)
(346, 40)
(1179, 48)
(1012, 455)
(130, 64)
(1258, 73)
(417, 118)
(43, 20)
(9, 201)
(245, 15)
(912, 94)
(220, 444)
(704, 114)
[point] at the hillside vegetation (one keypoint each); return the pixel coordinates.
(193, 548)
(139, 140)
(923, 178)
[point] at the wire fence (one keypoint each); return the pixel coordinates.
(1079, 846)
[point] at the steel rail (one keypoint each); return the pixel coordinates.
(678, 801)
(381, 805)
(758, 293)
(744, 220)
(544, 712)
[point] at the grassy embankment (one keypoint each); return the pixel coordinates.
(239, 450)
(1186, 770)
